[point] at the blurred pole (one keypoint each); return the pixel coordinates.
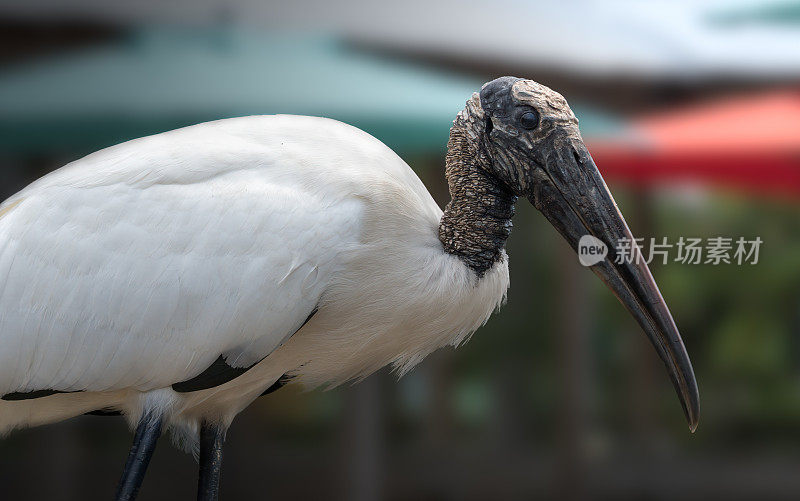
(439, 419)
(364, 445)
(575, 383)
(505, 425)
(61, 453)
(643, 362)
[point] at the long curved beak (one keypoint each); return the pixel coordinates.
(573, 196)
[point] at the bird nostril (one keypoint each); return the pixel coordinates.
(577, 156)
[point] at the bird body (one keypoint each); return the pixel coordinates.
(137, 266)
(175, 278)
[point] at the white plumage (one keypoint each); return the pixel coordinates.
(137, 266)
(177, 277)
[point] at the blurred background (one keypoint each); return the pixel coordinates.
(692, 111)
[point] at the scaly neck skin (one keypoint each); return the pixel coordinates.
(477, 221)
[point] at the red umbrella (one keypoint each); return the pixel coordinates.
(750, 143)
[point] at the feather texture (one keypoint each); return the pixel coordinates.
(138, 266)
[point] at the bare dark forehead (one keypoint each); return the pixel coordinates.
(496, 96)
(499, 97)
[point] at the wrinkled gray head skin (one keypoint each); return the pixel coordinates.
(526, 138)
(524, 122)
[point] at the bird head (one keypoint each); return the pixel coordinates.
(531, 139)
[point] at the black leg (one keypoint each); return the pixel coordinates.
(211, 439)
(144, 443)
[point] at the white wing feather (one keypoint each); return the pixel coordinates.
(137, 266)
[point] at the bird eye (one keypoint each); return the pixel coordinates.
(529, 120)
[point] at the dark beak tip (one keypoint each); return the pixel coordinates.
(693, 422)
(690, 402)
(693, 419)
(693, 413)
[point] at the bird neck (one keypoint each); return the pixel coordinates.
(477, 221)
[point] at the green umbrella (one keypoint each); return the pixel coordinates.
(161, 79)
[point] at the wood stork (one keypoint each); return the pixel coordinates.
(175, 278)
